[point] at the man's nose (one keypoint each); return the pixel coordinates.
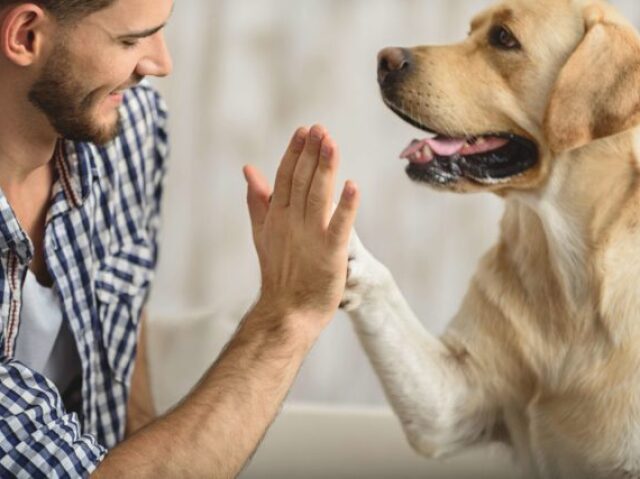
(157, 62)
(393, 65)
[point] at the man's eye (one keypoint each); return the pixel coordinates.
(501, 37)
(129, 43)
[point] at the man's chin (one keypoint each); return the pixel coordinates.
(100, 133)
(109, 130)
(106, 134)
(104, 127)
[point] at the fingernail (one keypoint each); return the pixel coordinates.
(326, 151)
(298, 144)
(317, 133)
(349, 190)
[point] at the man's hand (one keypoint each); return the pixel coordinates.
(302, 243)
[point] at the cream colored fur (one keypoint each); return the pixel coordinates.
(544, 353)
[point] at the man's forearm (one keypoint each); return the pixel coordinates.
(140, 408)
(214, 431)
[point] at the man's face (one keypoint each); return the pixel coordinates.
(91, 63)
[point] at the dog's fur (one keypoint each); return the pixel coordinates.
(544, 353)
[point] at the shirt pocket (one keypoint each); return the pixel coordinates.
(123, 278)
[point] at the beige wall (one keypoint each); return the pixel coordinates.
(247, 72)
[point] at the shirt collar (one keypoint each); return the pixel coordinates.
(74, 164)
(12, 236)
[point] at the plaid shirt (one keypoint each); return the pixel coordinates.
(100, 249)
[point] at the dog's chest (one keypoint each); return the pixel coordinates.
(589, 427)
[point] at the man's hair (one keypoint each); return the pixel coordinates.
(65, 10)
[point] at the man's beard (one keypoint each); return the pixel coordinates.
(57, 94)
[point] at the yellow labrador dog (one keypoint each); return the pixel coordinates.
(540, 105)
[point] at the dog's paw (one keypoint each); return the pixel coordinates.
(365, 275)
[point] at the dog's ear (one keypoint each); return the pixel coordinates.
(598, 91)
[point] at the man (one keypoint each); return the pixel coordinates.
(82, 156)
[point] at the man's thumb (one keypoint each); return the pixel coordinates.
(258, 194)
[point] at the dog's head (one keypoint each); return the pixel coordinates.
(534, 78)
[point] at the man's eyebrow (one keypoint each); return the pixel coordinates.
(143, 33)
(146, 33)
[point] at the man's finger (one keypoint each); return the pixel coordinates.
(282, 188)
(345, 215)
(258, 194)
(305, 170)
(320, 198)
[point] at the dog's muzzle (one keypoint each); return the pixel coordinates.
(444, 160)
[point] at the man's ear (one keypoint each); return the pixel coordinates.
(598, 91)
(21, 33)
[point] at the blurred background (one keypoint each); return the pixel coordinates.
(247, 73)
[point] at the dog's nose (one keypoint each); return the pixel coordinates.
(393, 64)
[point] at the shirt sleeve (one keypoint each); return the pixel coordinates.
(38, 438)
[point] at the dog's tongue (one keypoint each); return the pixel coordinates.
(439, 146)
(445, 146)
(424, 150)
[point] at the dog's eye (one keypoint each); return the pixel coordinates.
(501, 37)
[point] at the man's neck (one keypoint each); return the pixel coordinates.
(27, 144)
(27, 140)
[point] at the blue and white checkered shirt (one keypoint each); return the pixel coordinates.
(101, 250)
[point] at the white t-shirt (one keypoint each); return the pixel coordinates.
(45, 343)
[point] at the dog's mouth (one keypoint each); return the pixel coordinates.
(487, 159)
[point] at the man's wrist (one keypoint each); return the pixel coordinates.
(297, 327)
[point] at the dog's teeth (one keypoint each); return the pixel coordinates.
(427, 153)
(481, 141)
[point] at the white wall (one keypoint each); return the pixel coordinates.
(247, 72)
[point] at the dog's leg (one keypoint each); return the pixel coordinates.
(435, 394)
